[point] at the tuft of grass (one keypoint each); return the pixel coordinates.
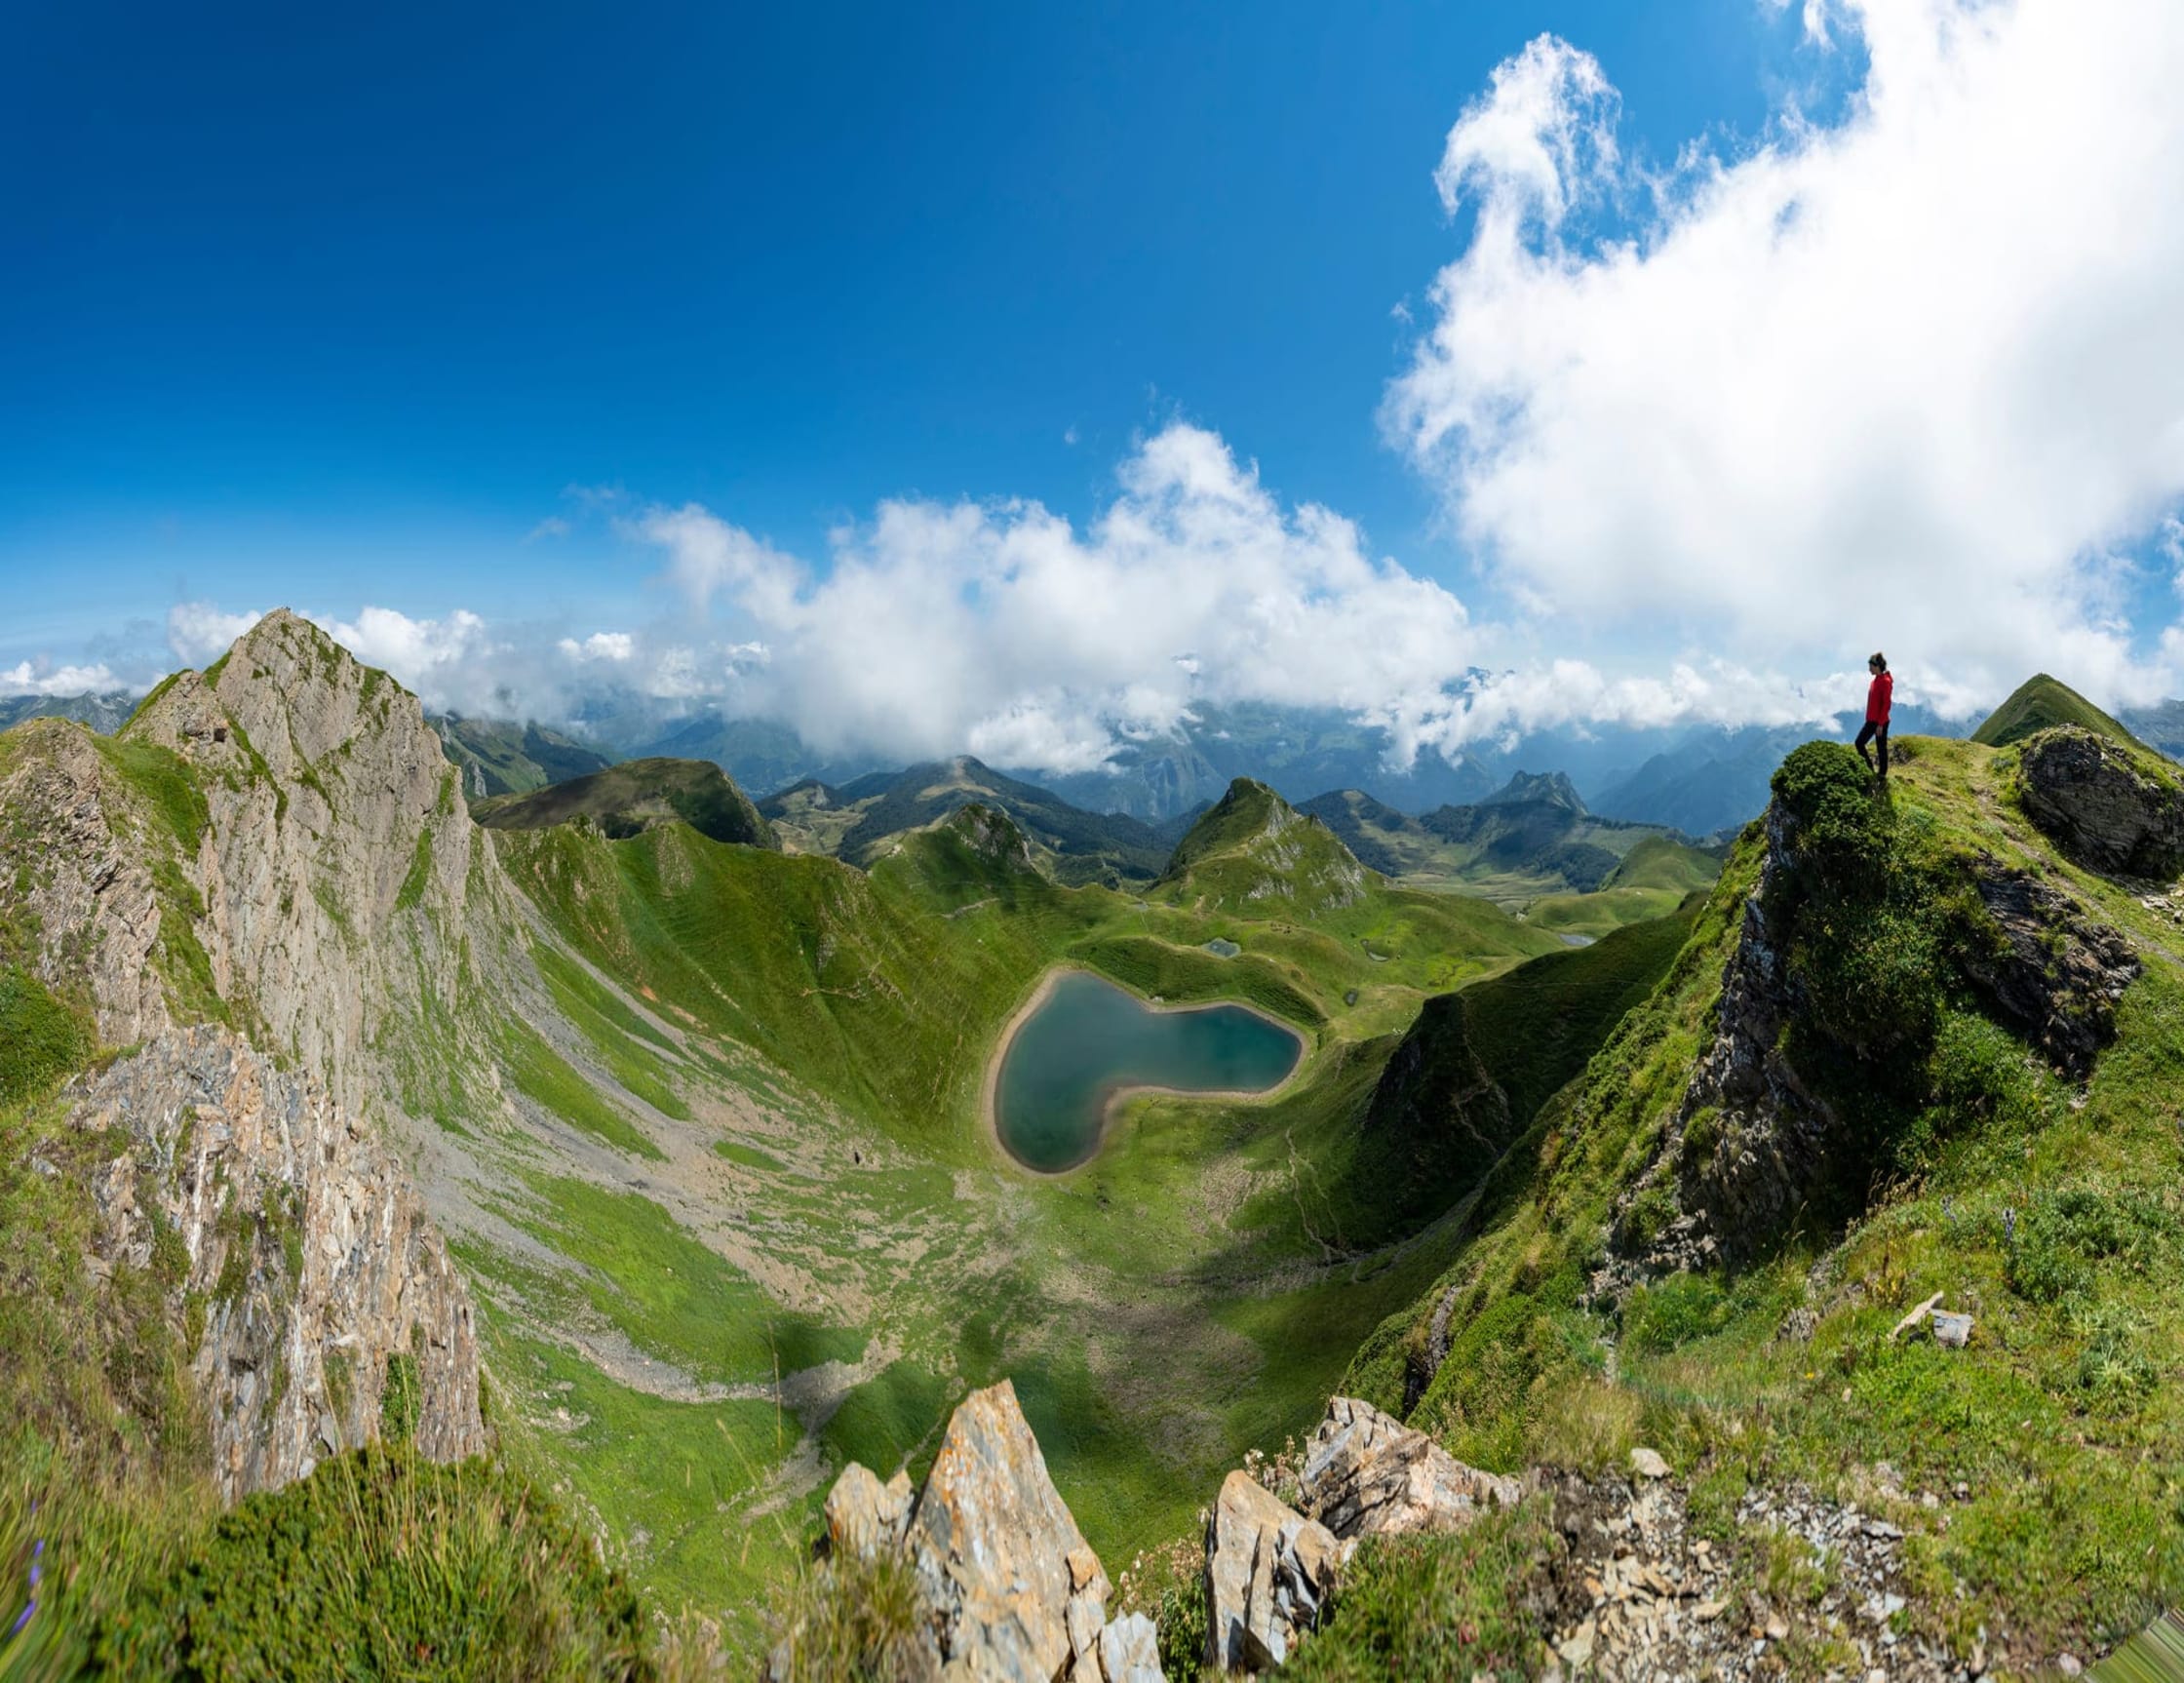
(383, 1564)
(850, 1617)
(1447, 1606)
(41, 1040)
(420, 875)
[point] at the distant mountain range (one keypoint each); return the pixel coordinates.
(104, 713)
(861, 819)
(1700, 780)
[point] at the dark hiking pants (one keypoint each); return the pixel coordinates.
(1878, 735)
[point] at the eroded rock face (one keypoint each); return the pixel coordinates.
(67, 831)
(1368, 1474)
(865, 1515)
(1015, 1589)
(1268, 1570)
(330, 1312)
(2057, 974)
(335, 871)
(2099, 807)
(1011, 1589)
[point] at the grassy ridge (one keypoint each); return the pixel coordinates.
(2053, 1216)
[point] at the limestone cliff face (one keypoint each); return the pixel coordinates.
(274, 851)
(328, 1311)
(335, 867)
(81, 878)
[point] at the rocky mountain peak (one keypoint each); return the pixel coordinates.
(333, 866)
(1552, 787)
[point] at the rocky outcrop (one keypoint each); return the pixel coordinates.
(320, 1303)
(1766, 1138)
(864, 1516)
(2054, 974)
(1009, 1589)
(1368, 1474)
(993, 834)
(1014, 1588)
(1268, 1574)
(1752, 1139)
(80, 878)
(2099, 805)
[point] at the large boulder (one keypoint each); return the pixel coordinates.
(1014, 1588)
(1268, 1570)
(1010, 1590)
(2101, 805)
(1368, 1474)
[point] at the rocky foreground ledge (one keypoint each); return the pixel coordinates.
(1009, 1589)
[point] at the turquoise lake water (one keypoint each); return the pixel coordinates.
(1089, 1038)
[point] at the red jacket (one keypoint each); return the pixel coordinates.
(1878, 697)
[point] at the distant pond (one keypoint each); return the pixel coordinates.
(1088, 1040)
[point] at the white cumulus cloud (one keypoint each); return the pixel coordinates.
(1004, 629)
(43, 678)
(1911, 380)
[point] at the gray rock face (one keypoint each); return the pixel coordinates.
(1268, 1570)
(2057, 975)
(1367, 1474)
(335, 869)
(1012, 1590)
(68, 827)
(1130, 1651)
(1774, 1136)
(865, 1515)
(322, 1286)
(2099, 807)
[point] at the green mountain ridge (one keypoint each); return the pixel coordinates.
(862, 819)
(702, 1125)
(2041, 703)
(633, 797)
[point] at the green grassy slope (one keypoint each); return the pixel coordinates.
(2040, 703)
(2050, 1214)
(635, 796)
(1074, 846)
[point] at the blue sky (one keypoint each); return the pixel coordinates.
(331, 307)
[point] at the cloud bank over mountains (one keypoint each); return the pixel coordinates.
(1913, 377)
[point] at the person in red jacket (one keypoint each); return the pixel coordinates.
(1879, 695)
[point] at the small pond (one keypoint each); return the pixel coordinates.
(1088, 1040)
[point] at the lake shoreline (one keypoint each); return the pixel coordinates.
(989, 1088)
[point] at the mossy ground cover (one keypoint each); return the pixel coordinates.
(2051, 1214)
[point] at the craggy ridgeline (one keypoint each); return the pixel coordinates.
(650, 1165)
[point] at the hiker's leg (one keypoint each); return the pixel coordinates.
(1865, 736)
(1880, 742)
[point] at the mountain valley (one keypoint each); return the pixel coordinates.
(648, 1152)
